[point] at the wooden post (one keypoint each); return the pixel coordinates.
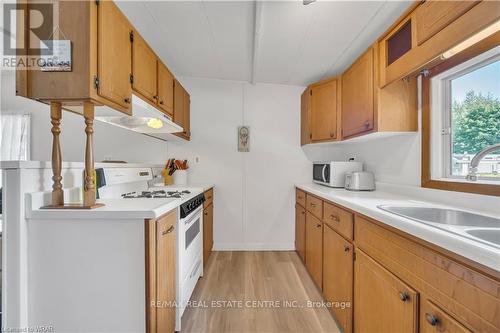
(57, 191)
(88, 184)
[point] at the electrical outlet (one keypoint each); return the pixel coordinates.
(108, 157)
(197, 160)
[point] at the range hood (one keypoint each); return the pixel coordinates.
(145, 119)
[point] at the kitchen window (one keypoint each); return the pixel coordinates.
(460, 118)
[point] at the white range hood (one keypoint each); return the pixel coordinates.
(145, 119)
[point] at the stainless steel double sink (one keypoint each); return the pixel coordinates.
(477, 227)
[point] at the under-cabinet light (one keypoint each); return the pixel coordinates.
(486, 32)
(155, 123)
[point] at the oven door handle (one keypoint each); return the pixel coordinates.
(194, 215)
(323, 173)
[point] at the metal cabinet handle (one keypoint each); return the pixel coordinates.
(403, 296)
(205, 213)
(169, 230)
(127, 100)
(335, 218)
(161, 102)
(312, 205)
(302, 212)
(332, 134)
(431, 319)
(318, 225)
(367, 124)
(155, 97)
(346, 248)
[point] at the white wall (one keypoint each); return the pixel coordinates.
(117, 143)
(254, 194)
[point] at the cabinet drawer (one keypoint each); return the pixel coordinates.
(300, 197)
(434, 320)
(315, 206)
(209, 198)
(339, 219)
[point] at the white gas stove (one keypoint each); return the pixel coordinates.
(134, 184)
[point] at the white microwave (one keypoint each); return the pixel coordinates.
(333, 173)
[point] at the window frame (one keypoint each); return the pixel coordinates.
(428, 170)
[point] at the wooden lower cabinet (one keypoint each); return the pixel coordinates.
(300, 231)
(435, 320)
(382, 302)
(160, 273)
(395, 282)
(338, 276)
(208, 232)
(314, 248)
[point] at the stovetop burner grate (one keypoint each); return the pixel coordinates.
(155, 194)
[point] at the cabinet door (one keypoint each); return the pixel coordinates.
(324, 111)
(358, 112)
(187, 115)
(165, 89)
(300, 231)
(314, 248)
(165, 273)
(382, 302)
(113, 54)
(179, 104)
(433, 16)
(338, 276)
(305, 117)
(208, 227)
(435, 320)
(144, 69)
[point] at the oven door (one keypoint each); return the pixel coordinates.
(192, 246)
(320, 173)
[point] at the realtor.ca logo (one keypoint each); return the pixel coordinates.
(32, 39)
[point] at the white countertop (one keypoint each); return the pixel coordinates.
(366, 203)
(69, 165)
(140, 208)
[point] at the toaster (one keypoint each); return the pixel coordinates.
(360, 181)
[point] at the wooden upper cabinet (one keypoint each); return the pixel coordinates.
(144, 62)
(305, 117)
(338, 275)
(300, 231)
(178, 104)
(324, 111)
(314, 248)
(187, 114)
(113, 55)
(435, 320)
(432, 16)
(182, 110)
(165, 89)
(382, 302)
(358, 109)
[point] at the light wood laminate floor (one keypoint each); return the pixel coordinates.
(244, 277)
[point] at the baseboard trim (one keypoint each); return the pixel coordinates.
(254, 247)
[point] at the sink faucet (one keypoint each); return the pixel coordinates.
(471, 176)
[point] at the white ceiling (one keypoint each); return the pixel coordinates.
(290, 43)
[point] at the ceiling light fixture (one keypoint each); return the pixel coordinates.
(476, 38)
(307, 2)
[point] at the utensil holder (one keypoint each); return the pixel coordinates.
(168, 180)
(180, 177)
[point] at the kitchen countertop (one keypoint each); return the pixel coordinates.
(141, 208)
(366, 203)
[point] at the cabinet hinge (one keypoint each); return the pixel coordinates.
(96, 82)
(131, 78)
(131, 35)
